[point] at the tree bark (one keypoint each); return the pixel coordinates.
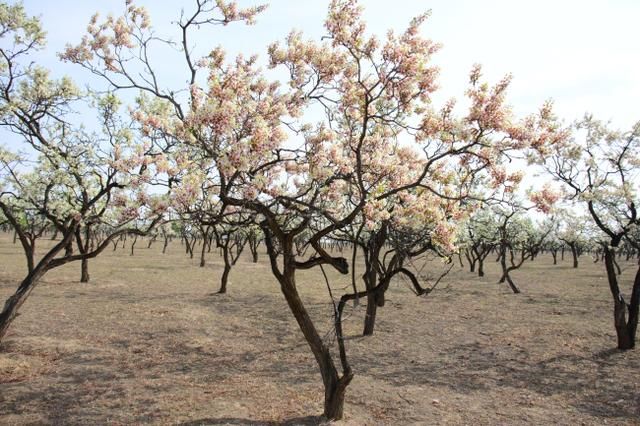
(14, 302)
(574, 252)
(512, 285)
(133, 244)
(84, 271)
(224, 279)
(334, 385)
(503, 263)
(625, 328)
(372, 302)
(203, 253)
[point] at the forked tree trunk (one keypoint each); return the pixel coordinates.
(505, 271)
(574, 252)
(192, 247)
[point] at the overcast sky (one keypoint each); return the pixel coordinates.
(583, 54)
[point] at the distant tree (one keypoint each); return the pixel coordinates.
(519, 239)
(478, 237)
(574, 232)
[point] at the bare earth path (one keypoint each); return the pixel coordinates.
(146, 341)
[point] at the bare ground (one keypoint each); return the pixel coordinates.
(148, 341)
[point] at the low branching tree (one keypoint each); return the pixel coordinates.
(378, 142)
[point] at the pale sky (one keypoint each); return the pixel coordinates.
(583, 54)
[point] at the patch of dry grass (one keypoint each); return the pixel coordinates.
(147, 341)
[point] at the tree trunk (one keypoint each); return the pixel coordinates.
(512, 285)
(224, 279)
(227, 268)
(253, 247)
(503, 263)
(29, 253)
(334, 386)
(472, 264)
(372, 304)
(625, 329)
(481, 267)
(192, 247)
(133, 244)
(615, 263)
(634, 308)
(203, 252)
(574, 252)
(84, 271)
(14, 302)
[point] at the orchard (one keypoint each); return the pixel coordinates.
(303, 234)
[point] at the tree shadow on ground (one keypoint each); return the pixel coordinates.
(591, 380)
(296, 421)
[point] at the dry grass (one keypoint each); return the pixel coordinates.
(146, 341)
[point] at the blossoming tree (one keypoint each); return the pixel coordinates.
(376, 152)
(77, 182)
(600, 169)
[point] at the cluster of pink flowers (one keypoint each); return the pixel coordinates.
(545, 199)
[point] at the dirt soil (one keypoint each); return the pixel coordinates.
(148, 341)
